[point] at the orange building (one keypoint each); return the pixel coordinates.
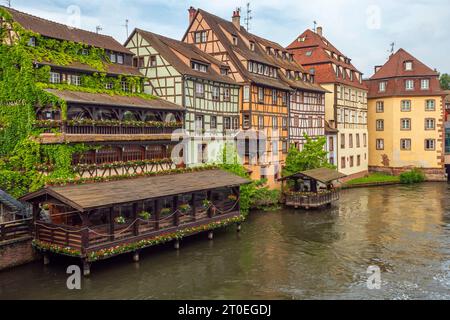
(279, 100)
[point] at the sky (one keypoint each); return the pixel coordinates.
(361, 29)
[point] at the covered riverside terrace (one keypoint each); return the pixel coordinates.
(95, 221)
(311, 188)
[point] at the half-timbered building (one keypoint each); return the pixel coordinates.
(346, 104)
(279, 99)
(100, 99)
(181, 73)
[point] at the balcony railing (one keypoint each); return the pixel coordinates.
(107, 127)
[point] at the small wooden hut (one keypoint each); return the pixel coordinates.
(311, 189)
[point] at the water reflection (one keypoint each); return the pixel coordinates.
(291, 254)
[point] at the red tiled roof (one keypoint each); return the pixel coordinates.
(312, 53)
(60, 31)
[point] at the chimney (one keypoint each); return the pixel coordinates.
(192, 13)
(377, 68)
(319, 31)
(237, 18)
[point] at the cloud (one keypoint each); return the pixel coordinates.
(361, 29)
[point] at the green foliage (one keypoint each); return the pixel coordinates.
(374, 178)
(445, 81)
(254, 194)
(312, 156)
(413, 176)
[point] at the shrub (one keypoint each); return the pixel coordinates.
(413, 176)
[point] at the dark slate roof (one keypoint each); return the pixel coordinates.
(60, 31)
(113, 100)
(168, 48)
(104, 194)
(323, 175)
(111, 68)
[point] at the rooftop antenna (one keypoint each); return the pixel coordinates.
(248, 16)
(8, 3)
(98, 29)
(126, 26)
(392, 47)
(315, 25)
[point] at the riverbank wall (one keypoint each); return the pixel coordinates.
(17, 252)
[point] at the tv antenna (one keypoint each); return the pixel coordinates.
(8, 3)
(126, 26)
(98, 29)
(392, 47)
(248, 16)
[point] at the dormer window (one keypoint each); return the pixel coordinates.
(382, 86)
(200, 37)
(288, 74)
(269, 50)
(312, 71)
(199, 67)
(235, 40)
(252, 46)
(409, 85)
(284, 55)
(408, 65)
(224, 71)
(309, 53)
(112, 57)
(32, 42)
(120, 58)
(301, 39)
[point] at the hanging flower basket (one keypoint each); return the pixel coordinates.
(185, 208)
(145, 215)
(120, 220)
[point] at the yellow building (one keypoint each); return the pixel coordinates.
(406, 118)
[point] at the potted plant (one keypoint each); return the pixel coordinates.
(165, 211)
(120, 220)
(206, 203)
(184, 208)
(232, 197)
(145, 215)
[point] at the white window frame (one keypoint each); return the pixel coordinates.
(55, 77)
(409, 85)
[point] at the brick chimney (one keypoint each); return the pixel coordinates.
(237, 18)
(377, 68)
(192, 13)
(319, 31)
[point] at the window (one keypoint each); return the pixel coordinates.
(153, 62)
(342, 141)
(350, 140)
(275, 122)
(430, 105)
(274, 97)
(405, 124)
(424, 84)
(380, 144)
(235, 40)
(284, 98)
(284, 146)
(199, 67)
(74, 80)
(138, 62)
(235, 123)
(120, 58)
(109, 85)
(409, 85)
(200, 37)
(226, 94)
(343, 163)
(246, 121)
(430, 144)
(55, 77)
(85, 52)
(408, 65)
(365, 140)
(309, 53)
(261, 95)
(284, 123)
(199, 90)
(405, 144)
(199, 124)
(246, 93)
(252, 46)
(358, 142)
(351, 161)
(380, 125)
(224, 71)
(380, 106)
(113, 57)
(32, 42)
(215, 93)
(227, 123)
(358, 161)
(125, 86)
(382, 86)
(261, 122)
(430, 124)
(406, 106)
(213, 122)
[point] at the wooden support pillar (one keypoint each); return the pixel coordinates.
(210, 235)
(176, 218)
(46, 260)
(157, 213)
(111, 224)
(136, 222)
(136, 256)
(209, 197)
(86, 268)
(177, 244)
(239, 227)
(36, 210)
(194, 208)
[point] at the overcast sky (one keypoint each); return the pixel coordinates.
(361, 29)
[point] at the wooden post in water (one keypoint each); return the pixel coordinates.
(86, 268)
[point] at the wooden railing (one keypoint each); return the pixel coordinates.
(311, 200)
(62, 235)
(104, 129)
(15, 229)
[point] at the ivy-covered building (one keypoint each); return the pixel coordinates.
(183, 74)
(72, 105)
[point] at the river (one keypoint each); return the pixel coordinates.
(288, 254)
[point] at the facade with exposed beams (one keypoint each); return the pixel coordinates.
(346, 104)
(279, 100)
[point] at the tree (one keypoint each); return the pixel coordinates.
(445, 81)
(312, 156)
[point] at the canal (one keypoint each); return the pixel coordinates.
(403, 230)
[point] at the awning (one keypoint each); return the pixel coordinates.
(90, 196)
(323, 175)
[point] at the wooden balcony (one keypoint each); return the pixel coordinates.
(311, 200)
(13, 230)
